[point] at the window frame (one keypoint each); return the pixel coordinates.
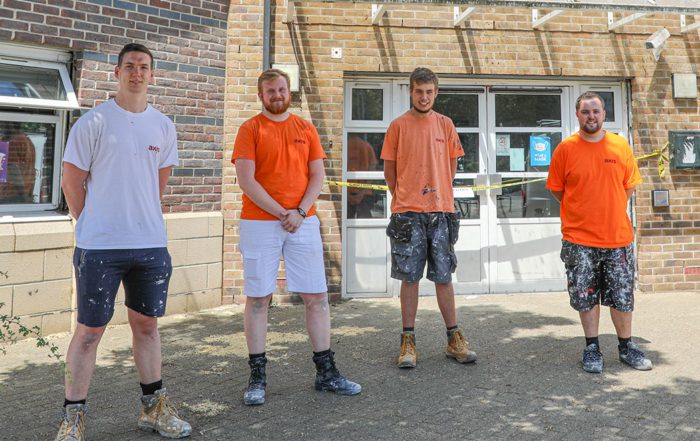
(385, 87)
(71, 101)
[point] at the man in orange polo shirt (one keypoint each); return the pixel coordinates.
(420, 154)
(593, 174)
(279, 165)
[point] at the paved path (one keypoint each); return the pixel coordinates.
(527, 385)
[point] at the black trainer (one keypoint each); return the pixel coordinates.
(255, 393)
(328, 378)
(633, 356)
(592, 359)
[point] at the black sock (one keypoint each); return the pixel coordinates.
(623, 342)
(405, 329)
(591, 340)
(254, 356)
(322, 353)
(67, 402)
(452, 328)
(150, 389)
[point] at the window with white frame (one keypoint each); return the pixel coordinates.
(35, 95)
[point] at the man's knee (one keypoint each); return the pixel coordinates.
(315, 302)
(258, 305)
(88, 337)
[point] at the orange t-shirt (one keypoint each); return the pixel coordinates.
(422, 148)
(594, 177)
(282, 152)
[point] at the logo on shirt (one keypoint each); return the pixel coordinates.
(153, 148)
(299, 141)
(611, 161)
(440, 140)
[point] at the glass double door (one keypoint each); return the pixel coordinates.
(510, 236)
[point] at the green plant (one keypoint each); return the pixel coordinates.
(12, 329)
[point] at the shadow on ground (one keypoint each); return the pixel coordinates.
(527, 384)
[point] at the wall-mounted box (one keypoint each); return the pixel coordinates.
(660, 198)
(685, 150)
(293, 71)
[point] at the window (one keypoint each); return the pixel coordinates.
(35, 93)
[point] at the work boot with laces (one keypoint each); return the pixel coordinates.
(159, 415)
(328, 378)
(255, 393)
(408, 355)
(73, 424)
(458, 347)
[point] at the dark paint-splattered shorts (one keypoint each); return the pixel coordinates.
(144, 272)
(420, 237)
(599, 275)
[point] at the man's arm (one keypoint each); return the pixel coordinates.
(390, 175)
(630, 192)
(453, 167)
(163, 175)
(558, 194)
(317, 174)
(73, 186)
(245, 172)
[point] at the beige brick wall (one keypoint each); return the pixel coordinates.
(492, 42)
(36, 270)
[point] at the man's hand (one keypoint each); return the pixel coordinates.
(292, 220)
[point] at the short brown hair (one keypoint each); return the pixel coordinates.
(270, 75)
(135, 47)
(422, 75)
(589, 96)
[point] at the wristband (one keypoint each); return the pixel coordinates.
(301, 211)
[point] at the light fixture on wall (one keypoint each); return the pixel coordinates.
(293, 71)
(657, 41)
(685, 85)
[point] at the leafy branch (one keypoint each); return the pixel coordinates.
(12, 329)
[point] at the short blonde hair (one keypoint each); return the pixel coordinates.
(271, 74)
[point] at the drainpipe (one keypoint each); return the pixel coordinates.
(266, 34)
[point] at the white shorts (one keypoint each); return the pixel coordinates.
(262, 243)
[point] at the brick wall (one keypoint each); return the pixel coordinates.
(188, 40)
(492, 42)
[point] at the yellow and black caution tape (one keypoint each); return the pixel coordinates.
(663, 159)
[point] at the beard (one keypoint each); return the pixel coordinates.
(277, 107)
(422, 110)
(588, 128)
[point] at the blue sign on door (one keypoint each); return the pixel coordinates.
(540, 150)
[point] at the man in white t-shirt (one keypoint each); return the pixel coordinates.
(116, 166)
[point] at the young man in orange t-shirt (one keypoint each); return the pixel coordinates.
(420, 154)
(279, 165)
(593, 174)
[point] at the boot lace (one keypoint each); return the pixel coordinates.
(73, 425)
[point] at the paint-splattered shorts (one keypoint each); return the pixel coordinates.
(420, 237)
(144, 272)
(599, 276)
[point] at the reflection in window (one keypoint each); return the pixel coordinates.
(364, 150)
(26, 162)
(30, 82)
(468, 208)
(367, 104)
(609, 100)
(469, 163)
(366, 203)
(529, 110)
(519, 156)
(526, 201)
(461, 106)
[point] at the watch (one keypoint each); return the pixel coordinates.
(301, 211)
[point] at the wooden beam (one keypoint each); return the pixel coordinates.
(377, 13)
(685, 28)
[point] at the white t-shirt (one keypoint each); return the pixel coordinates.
(123, 152)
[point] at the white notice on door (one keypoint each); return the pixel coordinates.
(463, 192)
(502, 145)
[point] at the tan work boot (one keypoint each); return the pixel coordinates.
(159, 415)
(73, 425)
(458, 347)
(408, 356)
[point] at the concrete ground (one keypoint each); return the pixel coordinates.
(527, 384)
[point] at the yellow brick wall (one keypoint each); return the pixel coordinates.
(494, 41)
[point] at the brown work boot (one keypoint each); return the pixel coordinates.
(73, 424)
(408, 356)
(458, 347)
(159, 415)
